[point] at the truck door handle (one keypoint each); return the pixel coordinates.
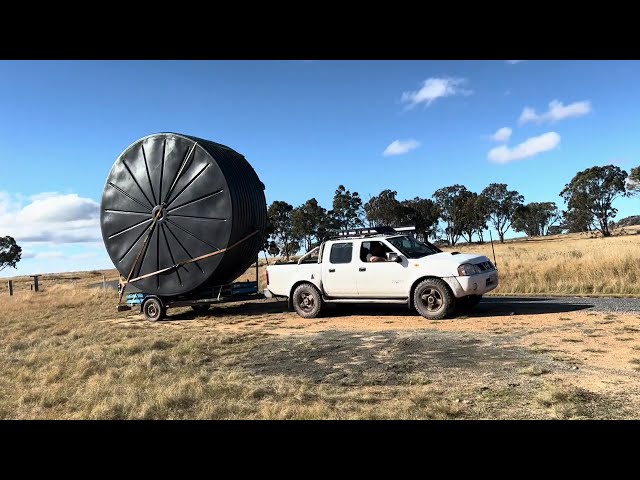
(362, 269)
(331, 270)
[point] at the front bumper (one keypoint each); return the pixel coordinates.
(477, 284)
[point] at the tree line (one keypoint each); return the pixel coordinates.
(455, 212)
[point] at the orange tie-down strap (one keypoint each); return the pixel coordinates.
(202, 257)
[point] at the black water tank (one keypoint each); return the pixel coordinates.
(210, 198)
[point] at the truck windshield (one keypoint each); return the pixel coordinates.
(413, 248)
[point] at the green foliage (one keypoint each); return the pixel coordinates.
(347, 209)
(502, 204)
(310, 223)
(589, 198)
(594, 190)
(576, 220)
(385, 209)
(272, 248)
(475, 214)
(10, 252)
(280, 221)
(535, 218)
(633, 182)
(291, 248)
(422, 213)
(451, 202)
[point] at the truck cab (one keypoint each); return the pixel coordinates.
(389, 267)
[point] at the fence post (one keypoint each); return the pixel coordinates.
(35, 282)
(10, 285)
(104, 282)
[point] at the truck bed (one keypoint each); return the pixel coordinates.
(282, 277)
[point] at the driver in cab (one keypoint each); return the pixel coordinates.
(376, 254)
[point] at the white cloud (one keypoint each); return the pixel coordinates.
(502, 134)
(513, 62)
(434, 88)
(50, 217)
(557, 111)
(59, 208)
(529, 148)
(400, 147)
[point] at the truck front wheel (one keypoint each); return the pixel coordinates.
(307, 301)
(433, 299)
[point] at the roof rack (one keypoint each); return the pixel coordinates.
(371, 231)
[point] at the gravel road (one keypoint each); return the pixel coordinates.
(621, 305)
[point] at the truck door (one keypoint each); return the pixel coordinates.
(339, 270)
(380, 279)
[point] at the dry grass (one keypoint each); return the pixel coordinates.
(66, 354)
(574, 264)
(565, 401)
(61, 358)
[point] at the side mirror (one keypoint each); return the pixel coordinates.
(394, 257)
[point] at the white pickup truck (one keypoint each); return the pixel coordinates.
(404, 270)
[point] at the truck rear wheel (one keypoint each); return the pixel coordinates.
(433, 299)
(307, 301)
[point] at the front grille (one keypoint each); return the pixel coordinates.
(484, 266)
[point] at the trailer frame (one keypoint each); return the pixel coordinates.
(154, 307)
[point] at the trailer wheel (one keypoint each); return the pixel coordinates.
(153, 309)
(201, 308)
(307, 301)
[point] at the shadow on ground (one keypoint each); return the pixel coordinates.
(489, 307)
(497, 307)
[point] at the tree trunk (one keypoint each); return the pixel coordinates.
(501, 235)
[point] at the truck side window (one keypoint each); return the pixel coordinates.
(376, 249)
(341, 252)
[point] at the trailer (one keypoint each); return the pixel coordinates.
(155, 307)
(182, 218)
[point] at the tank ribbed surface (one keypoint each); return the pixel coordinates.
(206, 197)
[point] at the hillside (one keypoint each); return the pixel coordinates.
(629, 221)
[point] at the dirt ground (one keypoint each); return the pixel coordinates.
(591, 358)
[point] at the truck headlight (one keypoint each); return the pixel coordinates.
(467, 269)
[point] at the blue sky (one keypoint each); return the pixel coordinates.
(305, 126)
